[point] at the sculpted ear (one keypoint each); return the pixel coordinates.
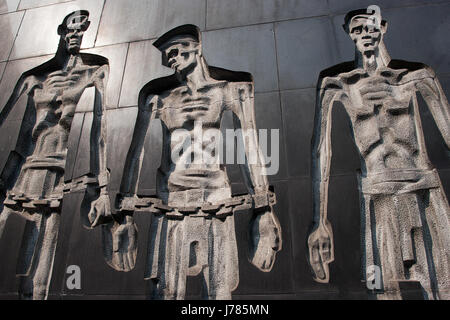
(86, 25)
(61, 30)
(384, 26)
(345, 27)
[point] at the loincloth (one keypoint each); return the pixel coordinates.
(395, 208)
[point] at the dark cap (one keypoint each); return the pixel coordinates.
(189, 30)
(349, 16)
(78, 13)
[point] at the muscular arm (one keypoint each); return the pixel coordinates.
(24, 85)
(120, 240)
(434, 96)
(253, 170)
(265, 230)
(320, 242)
(120, 237)
(135, 155)
(98, 131)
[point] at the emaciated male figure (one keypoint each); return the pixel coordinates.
(406, 213)
(192, 229)
(33, 178)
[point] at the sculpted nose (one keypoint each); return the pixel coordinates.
(365, 33)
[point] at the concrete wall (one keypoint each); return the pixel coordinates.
(284, 44)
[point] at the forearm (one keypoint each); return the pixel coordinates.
(433, 94)
(320, 200)
(254, 169)
(257, 180)
(134, 158)
(99, 130)
(98, 152)
(23, 86)
(321, 154)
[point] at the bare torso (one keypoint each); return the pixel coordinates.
(191, 171)
(55, 99)
(386, 124)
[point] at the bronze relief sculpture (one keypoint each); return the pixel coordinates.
(192, 230)
(404, 209)
(33, 178)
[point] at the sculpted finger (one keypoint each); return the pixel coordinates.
(325, 251)
(97, 216)
(117, 261)
(314, 251)
(316, 261)
(126, 262)
(257, 261)
(116, 240)
(132, 258)
(92, 215)
(276, 239)
(133, 238)
(120, 260)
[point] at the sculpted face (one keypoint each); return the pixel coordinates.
(367, 32)
(181, 54)
(73, 31)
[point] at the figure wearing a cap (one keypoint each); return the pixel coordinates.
(34, 176)
(405, 212)
(197, 241)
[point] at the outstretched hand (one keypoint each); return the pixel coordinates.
(321, 251)
(120, 244)
(265, 240)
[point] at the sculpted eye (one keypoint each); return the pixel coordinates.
(172, 53)
(357, 30)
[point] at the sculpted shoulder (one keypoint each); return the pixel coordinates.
(346, 73)
(161, 87)
(52, 65)
(98, 64)
(412, 71)
(241, 82)
(220, 74)
(94, 60)
(155, 88)
(337, 70)
(333, 77)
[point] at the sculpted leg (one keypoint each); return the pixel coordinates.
(221, 276)
(436, 212)
(418, 269)
(37, 256)
(4, 215)
(171, 282)
(387, 247)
